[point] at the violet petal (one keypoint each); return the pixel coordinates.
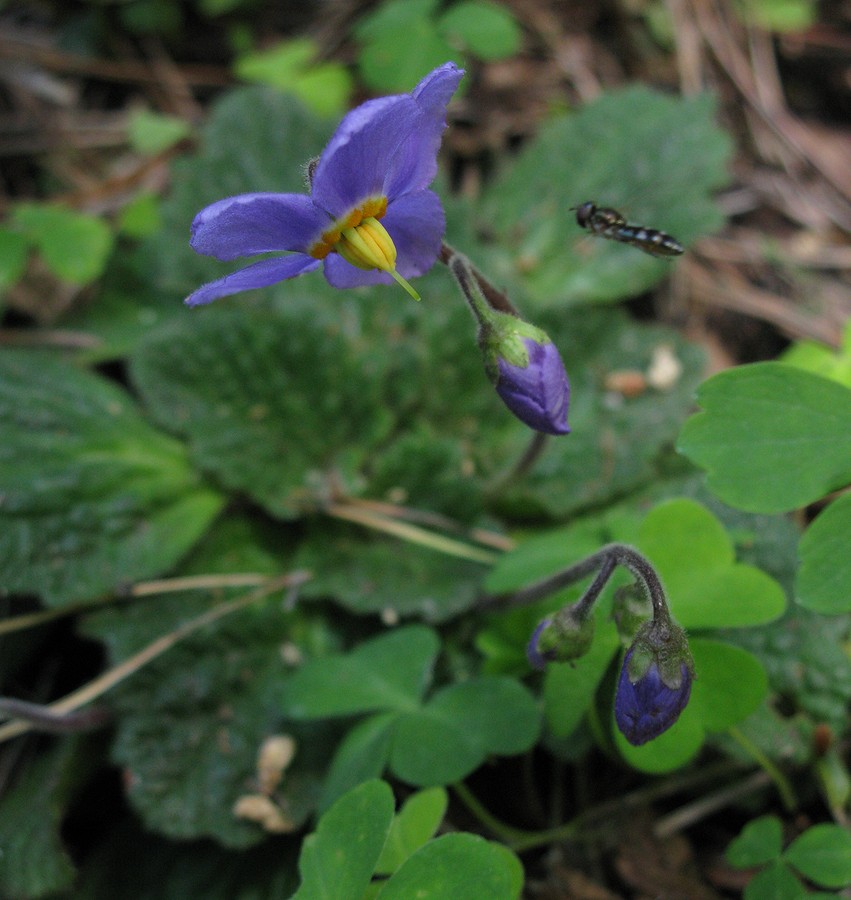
(355, 164)
(260, 274)
(257, 223)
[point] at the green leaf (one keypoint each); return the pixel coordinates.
(780, 15)
(482, 28)
(267, 399)
(338, 859)
(13, 257)
(772, 437)
(152, 132)
(824, 578)
(731, 683)
(75, 246)
(822, 854)
(371, 573)
(461, 725)
(807, 662)
(391, 671)
(654, 157)
(292, 66)
(141, 216)
(362, 754)
(415, 823)
(34, 862)
(460, 866)
(191, 723)
(776, 882)
(434, 743)
(127, 308)
(92, 495)
(695, 559)
(760, 842)
(401, 44)
(821, 359)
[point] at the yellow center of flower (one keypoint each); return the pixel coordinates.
(363, 241)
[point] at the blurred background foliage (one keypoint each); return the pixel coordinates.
(211, 520)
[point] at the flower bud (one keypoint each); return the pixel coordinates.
(560, 638)
(655, 682)
(533, 384)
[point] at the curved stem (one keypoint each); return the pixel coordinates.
(781, 782)
(496, 299)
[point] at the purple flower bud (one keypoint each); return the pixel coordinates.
(533, 654)
(646, 707)
(562, 637)
(538, 392)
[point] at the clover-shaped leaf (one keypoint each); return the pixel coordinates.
(388, 672)
(772, 437)
(760, 842)
(824, 579)
(338, 859)
(695, 559)
(415, 823)
(460, 866)
(425, 742)
(460, 726)
(823, 855)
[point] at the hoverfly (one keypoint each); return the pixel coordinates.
(609, 223)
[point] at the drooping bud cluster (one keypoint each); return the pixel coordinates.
(657, 673)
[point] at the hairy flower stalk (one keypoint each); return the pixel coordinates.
(520, 359)
(370, 217)
(657, 672)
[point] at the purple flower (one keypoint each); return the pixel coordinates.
(646, 707)
(535, 390)
(369, 216)
(537, 660)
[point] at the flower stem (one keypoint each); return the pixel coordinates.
(781, 782)
(496, 299)
(604, 561)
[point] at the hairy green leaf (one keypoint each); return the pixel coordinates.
(654, 157)
(268, 400)
(91, 496)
